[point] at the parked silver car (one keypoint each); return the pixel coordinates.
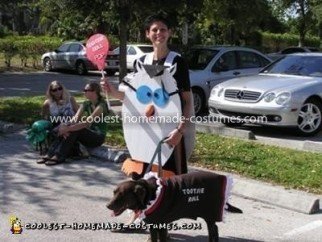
(211, 65)
(69, 56)
(287, 93)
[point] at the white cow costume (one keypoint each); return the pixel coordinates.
(158, 85)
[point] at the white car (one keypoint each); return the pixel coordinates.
(287, 93)
(211, 65)
(134, 51)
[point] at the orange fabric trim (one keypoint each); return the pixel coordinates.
(130, 165)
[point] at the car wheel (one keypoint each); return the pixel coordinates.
(198, 100)
(310, 118)
(81, 68)
(47, 64)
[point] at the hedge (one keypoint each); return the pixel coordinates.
(27, 47)
(275, 42)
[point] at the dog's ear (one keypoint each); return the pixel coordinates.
(140, 193)
(136, 176)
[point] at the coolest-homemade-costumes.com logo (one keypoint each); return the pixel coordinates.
(15, 224)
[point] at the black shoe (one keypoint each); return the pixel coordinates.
(52, 162)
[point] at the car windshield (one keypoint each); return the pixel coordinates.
(198, 59)
(297, 65)
(146, 49)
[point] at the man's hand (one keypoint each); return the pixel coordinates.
(174, 138)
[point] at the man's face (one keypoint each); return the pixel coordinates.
(158, 33)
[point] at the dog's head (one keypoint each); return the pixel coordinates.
(129, 195)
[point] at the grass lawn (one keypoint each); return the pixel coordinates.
(290, 168)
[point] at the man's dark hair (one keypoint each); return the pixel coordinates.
(156, 18)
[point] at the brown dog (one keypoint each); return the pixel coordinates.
(159, 201)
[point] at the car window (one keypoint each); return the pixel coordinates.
(264, 61)
(198, 59)
(63, 48)
(146, 49)
(131, 51)
(297, 65)
(292, 50)
(116, 51)
(75, 48)
(227, 61)
(248, 60)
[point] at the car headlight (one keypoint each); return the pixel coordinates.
(217, 90)
(269, 97)
(283, 98)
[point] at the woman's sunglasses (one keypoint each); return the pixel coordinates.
(88, 90)
(56, 89)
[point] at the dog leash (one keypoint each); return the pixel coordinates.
(157, 152)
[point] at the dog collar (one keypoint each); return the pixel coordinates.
(159, 194)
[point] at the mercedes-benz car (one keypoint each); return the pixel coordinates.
(69, 56)
(287, 93)
(211, 65)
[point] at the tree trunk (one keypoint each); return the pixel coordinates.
(302, 25)
(123, 39)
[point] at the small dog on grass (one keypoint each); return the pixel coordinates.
(158, 201)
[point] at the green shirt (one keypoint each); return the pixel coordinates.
(99, 123)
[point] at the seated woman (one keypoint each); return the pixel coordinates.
(88, 127)
(58, 103)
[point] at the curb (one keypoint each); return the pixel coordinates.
(312, 146)
(6, 127)
(107, 153)
(221, 129)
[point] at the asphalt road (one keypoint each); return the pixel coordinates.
(29, 84)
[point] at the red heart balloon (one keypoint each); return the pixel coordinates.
(97, 47)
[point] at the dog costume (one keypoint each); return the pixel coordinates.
(188, 196)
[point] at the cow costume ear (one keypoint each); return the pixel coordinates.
(139, 65)
(140, 193)
(173, 69)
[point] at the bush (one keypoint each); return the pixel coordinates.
(9, 49)
(27, 47)
(275, 42)
(4, 31)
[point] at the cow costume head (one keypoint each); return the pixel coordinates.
(151, 110)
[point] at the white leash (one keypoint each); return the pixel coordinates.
(106, 95)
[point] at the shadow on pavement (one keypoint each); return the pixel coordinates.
(45, 187)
